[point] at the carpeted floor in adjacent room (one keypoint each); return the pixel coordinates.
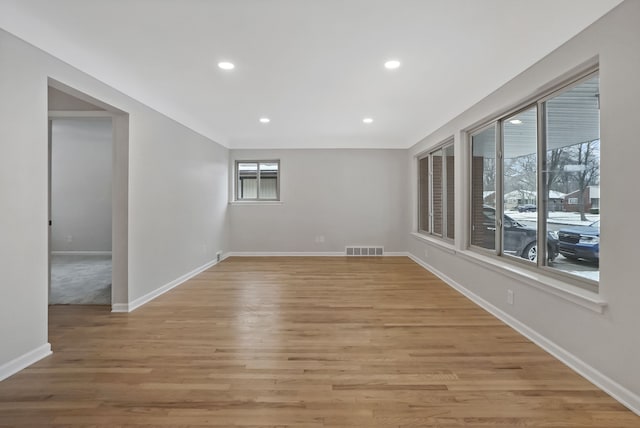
(80, 279)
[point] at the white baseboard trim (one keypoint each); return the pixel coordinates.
(130, 307)
(24, 361)
(626, 397)
(119, 307)
(303, 254)
(81, 253)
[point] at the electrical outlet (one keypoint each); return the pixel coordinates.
(321, 238)
(69, 238)
(426, 253)
(510, 297)
(218, 256)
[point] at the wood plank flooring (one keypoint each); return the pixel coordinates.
(301, 342)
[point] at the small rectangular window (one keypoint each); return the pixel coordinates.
(257, 180)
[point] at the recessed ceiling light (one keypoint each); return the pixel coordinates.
(226, 65)
(515, 122)
(265, 120)
(392, 64)
(367, 120)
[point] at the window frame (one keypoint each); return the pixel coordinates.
(236, 176)
(429, 154)
(539, 102)
(470, 134)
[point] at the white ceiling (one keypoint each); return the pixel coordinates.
(315, 67)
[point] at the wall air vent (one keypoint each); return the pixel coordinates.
(364, 251)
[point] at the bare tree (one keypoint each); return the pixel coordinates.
(520, 174)
(489, 174)
(556, 159)
(586, 158)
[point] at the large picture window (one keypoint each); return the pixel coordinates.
(436, 192)
(571, 200)
(257, 180)
(535, 177)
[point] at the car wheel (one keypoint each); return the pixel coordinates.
(531, 252)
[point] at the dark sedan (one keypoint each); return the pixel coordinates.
(526, 208)
(580, 242)
(519, 240)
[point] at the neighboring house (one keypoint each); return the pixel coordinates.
(519, 197)
(591, 198)
(555, 201)
(522, 197)
(489, 197)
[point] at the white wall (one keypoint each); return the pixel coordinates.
(608, 342)
(81, 169)
(178, 194)
(351, 197)
(177, 216)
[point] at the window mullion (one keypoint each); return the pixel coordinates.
(499, 187)
(541, 199)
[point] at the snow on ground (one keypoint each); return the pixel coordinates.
(557, 217)
(594, 275)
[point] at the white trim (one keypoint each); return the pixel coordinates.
(579, 296)
(626, 397)
(130, 307)
(54, 114)
(119, 307)
(306, 254)
(260, 202)
(441, 243)
(24, 361)
(81, 253)
(285, 254)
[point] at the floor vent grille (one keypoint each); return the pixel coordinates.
(364, 251)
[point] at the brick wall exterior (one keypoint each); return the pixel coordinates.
(477, 188)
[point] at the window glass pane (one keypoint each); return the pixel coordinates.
(573, 179)
(423, 210)
(247, 180)
(519, 231)
(483, 188)
(450, 191)
(436, 177)
(268, 180)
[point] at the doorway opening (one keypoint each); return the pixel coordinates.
(88, 200)
(81, 176)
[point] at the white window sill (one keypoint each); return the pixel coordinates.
(585, 298)
(256, 203)
(441, 243)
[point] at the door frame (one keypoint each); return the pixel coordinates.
(119, 189)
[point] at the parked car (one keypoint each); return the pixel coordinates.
(580, 242)
(519, 240)
(526, 208)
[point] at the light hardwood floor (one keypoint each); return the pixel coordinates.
(301, 342)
